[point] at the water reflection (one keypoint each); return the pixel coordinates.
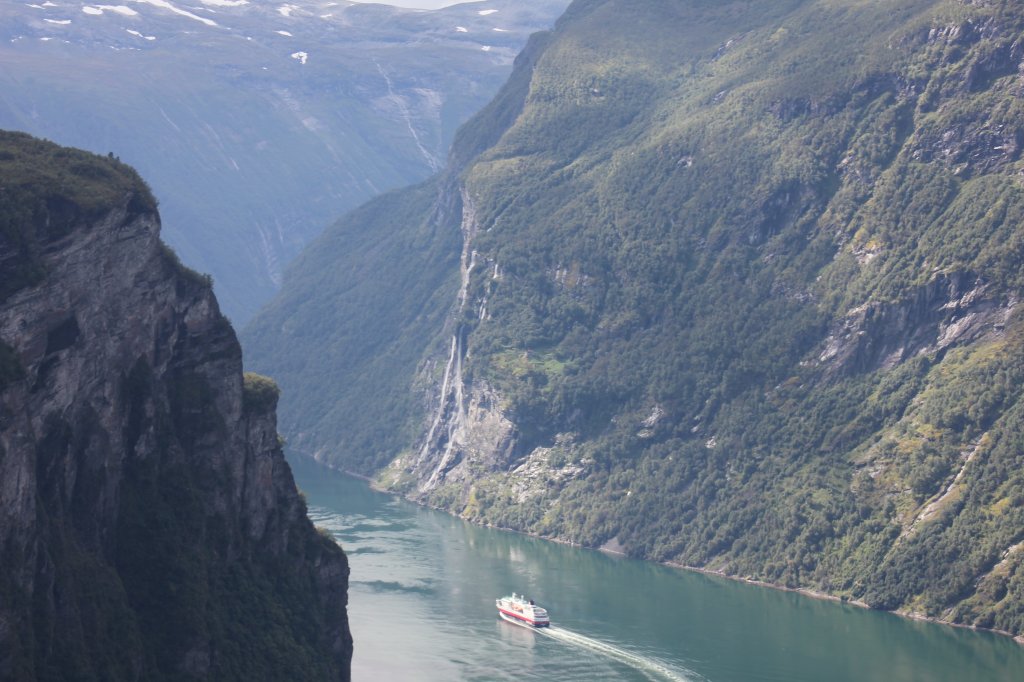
(515, 636)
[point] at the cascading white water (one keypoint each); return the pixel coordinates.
(444, 400)
(451, 403)
(403, 109)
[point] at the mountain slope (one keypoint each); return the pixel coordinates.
(149, 525)
(739, 291)
(257, 123)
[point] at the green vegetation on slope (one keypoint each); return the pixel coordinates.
(259, 393)
(747, 282)
(46, 191)
(356, 344)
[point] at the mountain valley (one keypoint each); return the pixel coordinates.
(257, 123)
(729, 285)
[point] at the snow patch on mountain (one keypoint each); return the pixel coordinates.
(62, 22)
(284, 33)
(139, 35)
(300, 56)
(485, 12)
(97, 10)
(164, 4)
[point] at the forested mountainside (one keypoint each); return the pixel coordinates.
(733, 285)
(258, 123)
(150, 528)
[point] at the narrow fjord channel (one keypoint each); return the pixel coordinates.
(423, 585)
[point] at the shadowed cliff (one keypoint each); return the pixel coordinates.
(150, 528)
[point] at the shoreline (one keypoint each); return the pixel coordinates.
(825, 596)
(805, 591)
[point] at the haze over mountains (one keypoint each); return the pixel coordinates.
(257, 123)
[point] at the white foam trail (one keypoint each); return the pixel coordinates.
(641, 663)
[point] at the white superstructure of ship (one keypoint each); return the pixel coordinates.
(522, 611)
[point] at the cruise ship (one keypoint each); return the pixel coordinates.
(522, 611)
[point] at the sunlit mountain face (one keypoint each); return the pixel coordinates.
(257, 123)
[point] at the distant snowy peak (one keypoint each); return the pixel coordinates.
(318, 23)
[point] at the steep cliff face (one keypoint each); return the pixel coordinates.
(736, 285)
(149, 525)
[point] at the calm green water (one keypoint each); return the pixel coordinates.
(421, 606)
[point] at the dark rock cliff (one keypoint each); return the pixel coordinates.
(150, 527)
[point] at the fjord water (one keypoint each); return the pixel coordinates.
(421, 607)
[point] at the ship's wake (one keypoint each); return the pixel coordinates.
(644, 664)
